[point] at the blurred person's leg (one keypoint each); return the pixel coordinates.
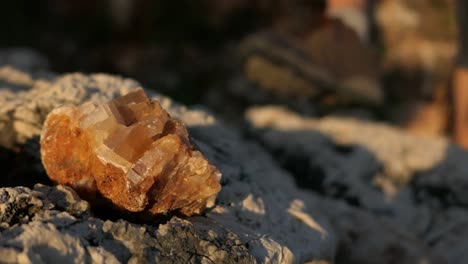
(428, 116)
(460, 101)
(460, 78)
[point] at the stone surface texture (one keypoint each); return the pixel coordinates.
(260, 214)
(402, 155)
(352, 161)
(53, 225)
(267, 214)
(130, 151)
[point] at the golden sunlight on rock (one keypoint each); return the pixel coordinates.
(130, 151)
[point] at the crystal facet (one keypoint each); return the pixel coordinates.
(131, 152)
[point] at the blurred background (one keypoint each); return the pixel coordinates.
(396, 61)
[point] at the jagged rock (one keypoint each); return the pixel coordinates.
(132, 152)
(266, 214)
(56, 225)
(259, 216)
(347, 159)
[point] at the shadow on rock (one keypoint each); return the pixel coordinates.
(394, 214)
(445, 185)
(21, 166)
(260, 202)
(318, 164)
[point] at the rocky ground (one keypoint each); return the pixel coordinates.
(295, 189)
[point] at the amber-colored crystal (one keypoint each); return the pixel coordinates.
(131, 152)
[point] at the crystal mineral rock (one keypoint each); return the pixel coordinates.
(131, 152)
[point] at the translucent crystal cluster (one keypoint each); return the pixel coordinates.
(131, 152)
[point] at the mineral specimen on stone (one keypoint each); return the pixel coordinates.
(131, 152)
